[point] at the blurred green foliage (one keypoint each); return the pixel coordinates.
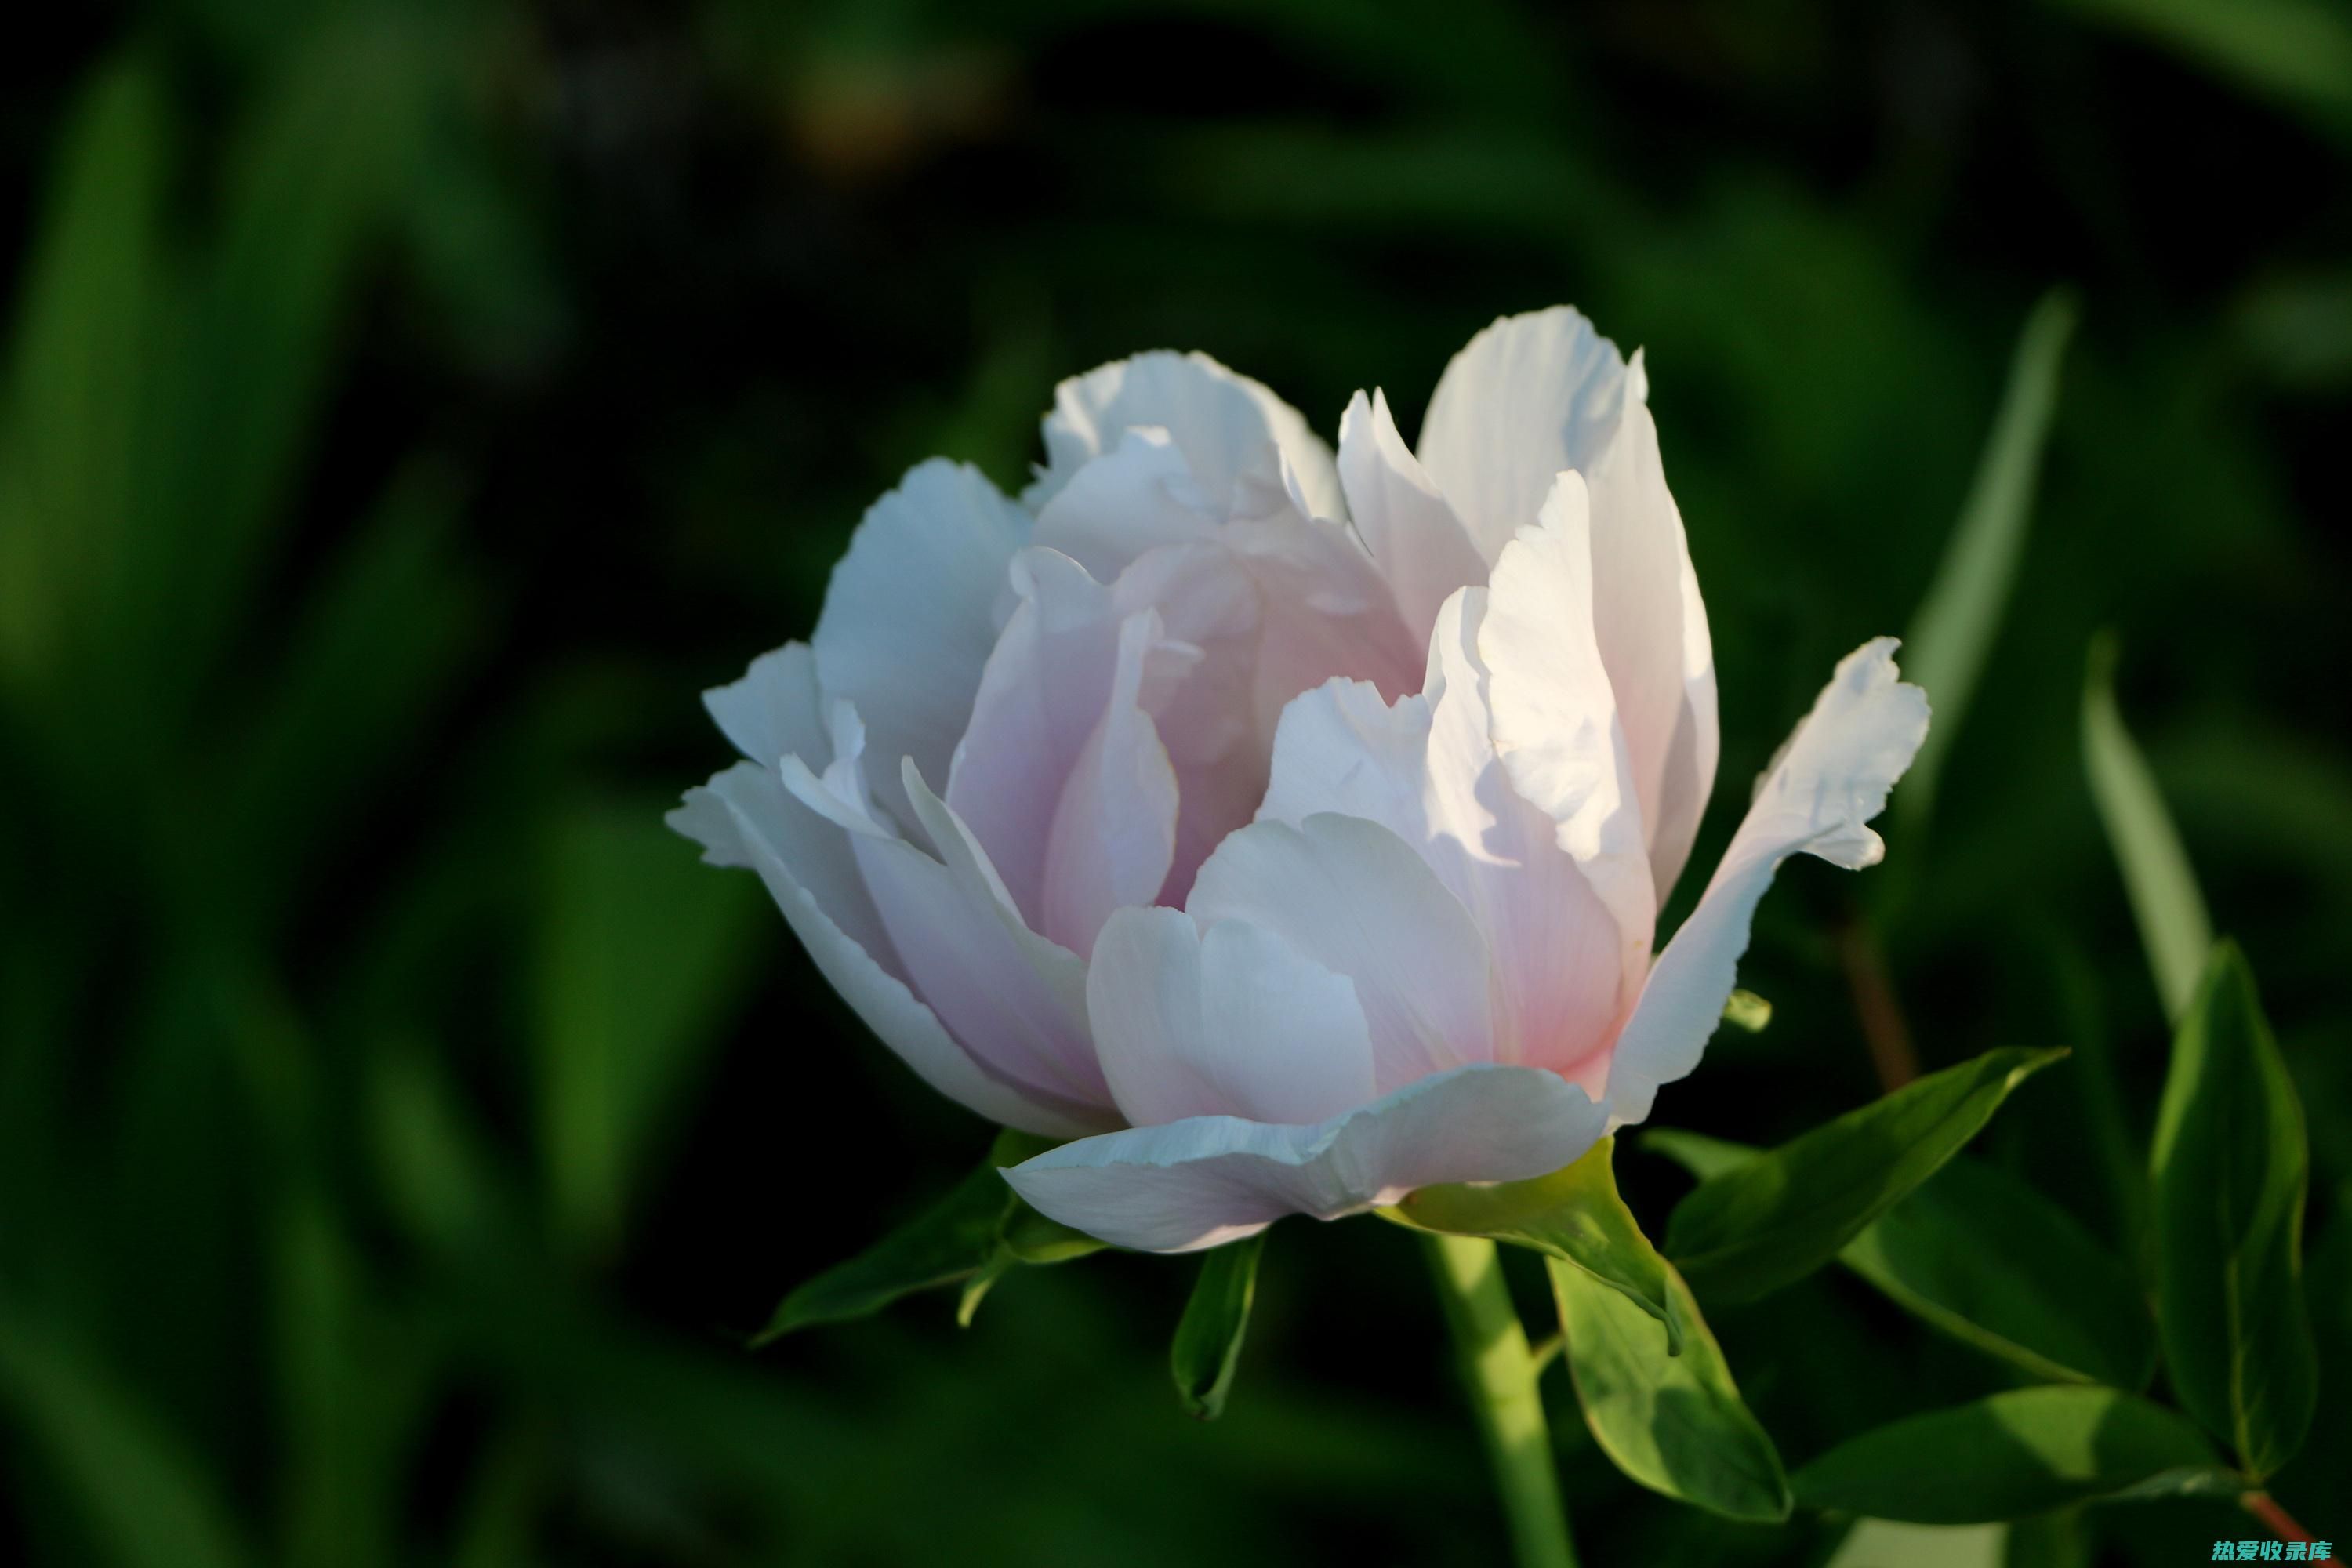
(407, 408)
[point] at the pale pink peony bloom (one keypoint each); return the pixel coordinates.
(1305, 824)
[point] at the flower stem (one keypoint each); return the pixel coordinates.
(1499, 1375)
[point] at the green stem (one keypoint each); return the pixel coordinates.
(1499, 1375)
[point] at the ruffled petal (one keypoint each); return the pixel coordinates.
(1826, 784)
(1188, 1184)
(911, 616)
(1419, 546)
(1234, 433)
(1354, 897)
(1535, 394)
(1233, 1021)
(1554, 712)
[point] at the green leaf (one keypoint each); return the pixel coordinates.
(2173, 924)
(975, 1235)
(1208, 1343)
(2019, 1452)
(1983, 1255)
(1944, 652)
(949, 1243)
(1746, 1010)
(2229, 1172)
(1673, 1422)
(1786, 1213)
(1574, 1214)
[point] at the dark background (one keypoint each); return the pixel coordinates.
(410, 409)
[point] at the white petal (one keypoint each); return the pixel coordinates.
(1139, 496)
(1420, 545)
(1828, 782)
(1535, 394)
(1209, 1179)
(1235, 434)
(774, 709)
(1354, 897)
(910, 615)
(1528, 397)
(1235, 1022)
(744, 818)
(1555, 712)
(1114, 833)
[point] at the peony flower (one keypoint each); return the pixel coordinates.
(1305, 823)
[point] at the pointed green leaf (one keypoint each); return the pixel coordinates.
(1789, 1211)
(2022, 1452)
(1980, 1253)
(1673, 1422)
(1984, 1257)
(1574, 1214)
(955, 1240)
(2229, 1169)
(1208, 1343)
(1945, 650)
(2173, 925)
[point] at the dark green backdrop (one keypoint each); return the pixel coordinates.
(410, 408)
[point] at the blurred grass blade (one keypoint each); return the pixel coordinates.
(314, 176)
(1673, 1422)
(1945, 650)
(2228, 1165)
(1574, 1214)
(87, 305)
(2021, 1452)
(147, 1502)
(1778, 1218)
(2296, 52)
(640, 955)
(2173, 924)
(1208, 1343)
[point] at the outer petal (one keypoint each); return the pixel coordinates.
(1209, 1179)
(910, 615)
(1828, 782)
(743, 817)
(1419, 544)
(775, 709)
(1555, 718)
(1354, 897)
(1232, 1022)
(1235, 433)
(1532, 396)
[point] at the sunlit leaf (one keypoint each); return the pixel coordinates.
(2021, 1452)
(1673, 1422)
(947, 1244)
(1574, 1214)
(1780, 1217)
(2229, 1168)
(1953, 634)
(1208, 1343)
(2173, 924)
